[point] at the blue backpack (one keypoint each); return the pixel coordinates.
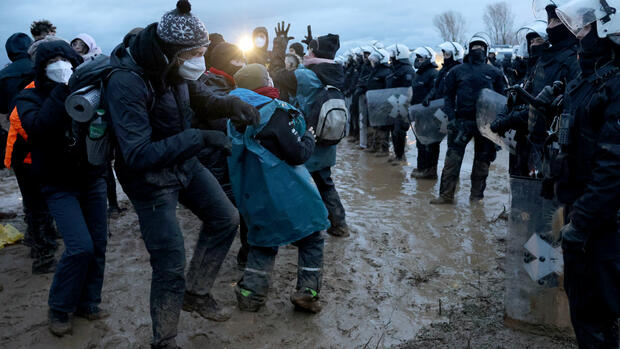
(280, 203)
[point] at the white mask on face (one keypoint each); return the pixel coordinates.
(193, 68)
(59, 71)
(260, 41)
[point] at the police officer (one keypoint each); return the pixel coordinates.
(558, 62)
(422, 85)
(589, 183)
(463, 86)
(453, 54)
(517, 111)
(379, 138)
(364, 69)
(402, 76)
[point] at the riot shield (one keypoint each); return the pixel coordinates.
(491, 103)
(384, 106)
(363, 120)
(430, 124)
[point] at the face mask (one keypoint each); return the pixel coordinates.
(477, 56)
(59, 71)
(260, 41)
(558, 34)
(537, 50)
(193, 68)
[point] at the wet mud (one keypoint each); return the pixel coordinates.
(411, 276)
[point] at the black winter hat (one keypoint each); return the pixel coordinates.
(325, 46)
(51, 49)
(298, 48)
(223, 54)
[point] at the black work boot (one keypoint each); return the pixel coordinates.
(306, 300)
(92, 313)
(248, 300)
(205, 306)
(428, 173)
(59, 323)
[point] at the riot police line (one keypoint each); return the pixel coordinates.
(555, 108)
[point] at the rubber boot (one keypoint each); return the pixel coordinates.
(479, 175)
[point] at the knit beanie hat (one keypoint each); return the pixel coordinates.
(179, 30)
(325, 46)
(252, 76)
(298, 48)
(223, 54)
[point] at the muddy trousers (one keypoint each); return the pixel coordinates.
(331, 199)
(399, 137)
(40, 233)
(592, 286)
(428, 155)
(484, 154)
(81, 217)
(164, 241)
(382, 138)
(354, 111)
(257, 274)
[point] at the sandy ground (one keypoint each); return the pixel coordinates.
(412, 276)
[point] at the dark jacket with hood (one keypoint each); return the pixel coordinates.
(378, 77)
(463, 86)
(151, 109)
(58, 151)
(424, 81)
(402, 74)
(439, 90)
(18, 74)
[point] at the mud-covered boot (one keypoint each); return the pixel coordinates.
(59, 323)
(248, 300)
(306, 300)
(429, 173)
(92, 313)
(206, 307)
(399, 160)
(44, 262)
(341, 231)
(442, 201)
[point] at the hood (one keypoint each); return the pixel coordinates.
(261, 30)
(17, 46)
(146, 55)
(49, 50)
(93, 49)
(329, 74)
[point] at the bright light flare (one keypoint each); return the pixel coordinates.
(246, 44)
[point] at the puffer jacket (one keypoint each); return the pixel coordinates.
(152, 114)
(18, 74)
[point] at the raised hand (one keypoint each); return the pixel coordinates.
(283, 33)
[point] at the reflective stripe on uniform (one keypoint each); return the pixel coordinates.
(310, 269)
(255, 271)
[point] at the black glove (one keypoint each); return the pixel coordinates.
(217, 140)
(426, 102)
(242, 114)
(573, 239)
(308, 37)
(283, 33)
(501, 124)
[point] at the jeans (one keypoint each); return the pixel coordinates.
(327, 189)
(261, 260)
(164, 241)
(81, 217)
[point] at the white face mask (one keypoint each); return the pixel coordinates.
(193, 68)
(59, 71)
(260, 41)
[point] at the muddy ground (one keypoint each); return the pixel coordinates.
(412, 276)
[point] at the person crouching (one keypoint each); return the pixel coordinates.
(275, 193)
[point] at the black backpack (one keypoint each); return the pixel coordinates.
(329, 116)
(87, 107)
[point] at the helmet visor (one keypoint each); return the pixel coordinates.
(577, 14)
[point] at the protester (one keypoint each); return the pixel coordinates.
(319, 70)
(282, 132)
(150, 99)
(85, 46)
(75, 191)
(42, 31)
(40, 232)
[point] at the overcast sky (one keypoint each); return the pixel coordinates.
(356, 21)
